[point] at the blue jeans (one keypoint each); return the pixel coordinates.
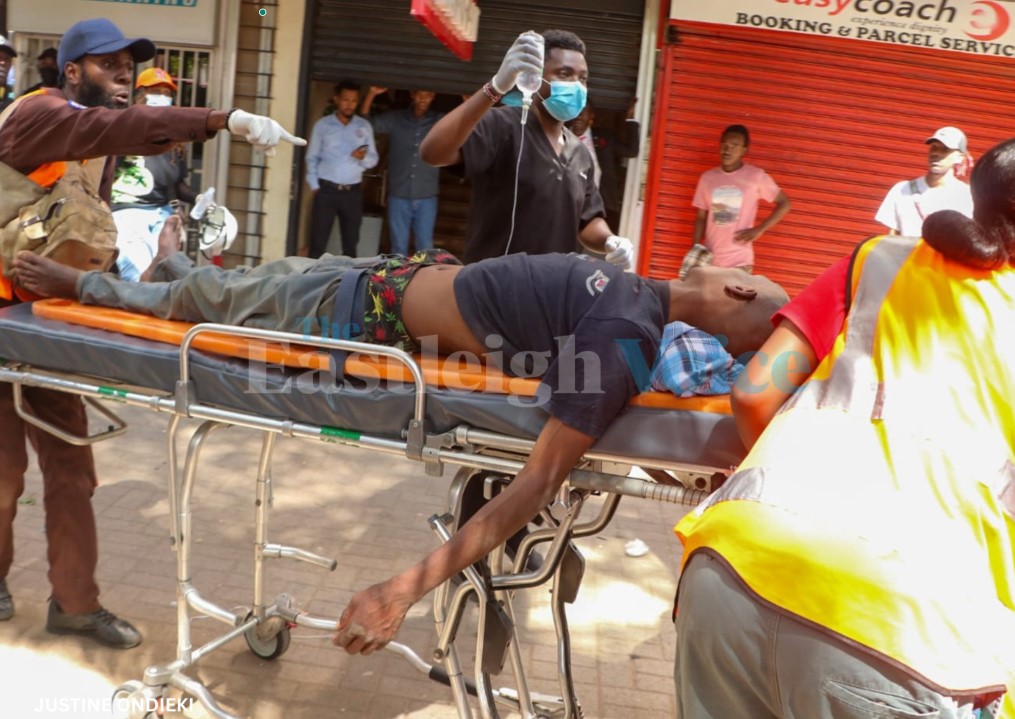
(419, 215)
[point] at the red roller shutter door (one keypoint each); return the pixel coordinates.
(835, 122)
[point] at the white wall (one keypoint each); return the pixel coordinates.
(285, 90)
(191, 22)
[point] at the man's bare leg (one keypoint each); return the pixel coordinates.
(45, 277)
(170, 239)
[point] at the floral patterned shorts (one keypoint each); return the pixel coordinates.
(386, 283)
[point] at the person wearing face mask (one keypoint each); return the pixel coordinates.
(45, 65)
(144, 187)
(556, 206)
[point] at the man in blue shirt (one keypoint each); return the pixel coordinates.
(341, 148)
(413, 185)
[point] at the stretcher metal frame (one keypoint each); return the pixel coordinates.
(478, 455)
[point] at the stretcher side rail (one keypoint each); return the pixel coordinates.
(596, 481)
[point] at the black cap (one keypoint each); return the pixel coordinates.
(6, 48)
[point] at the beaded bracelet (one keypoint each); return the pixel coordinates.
(491, 93)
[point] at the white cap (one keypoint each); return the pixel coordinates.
(7, 47)
(951, 137)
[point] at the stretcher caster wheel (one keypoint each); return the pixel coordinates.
(133, 700)
(269, 639)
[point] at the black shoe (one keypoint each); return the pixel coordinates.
(103, 626)
(6, 602)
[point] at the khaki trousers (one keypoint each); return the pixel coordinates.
(738, 658)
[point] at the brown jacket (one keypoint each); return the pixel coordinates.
(49, 128)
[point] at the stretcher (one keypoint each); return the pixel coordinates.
(444, 414)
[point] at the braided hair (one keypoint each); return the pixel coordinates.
(987, 241)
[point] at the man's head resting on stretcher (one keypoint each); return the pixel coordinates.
(727, 302)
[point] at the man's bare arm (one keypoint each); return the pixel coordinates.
(368, 100)
(782, 205)
(774, 373)
(595, 234)
(700, 221)
(443, 144)
(374, 615)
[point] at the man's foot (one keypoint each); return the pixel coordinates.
(170, 241)
(6, 602)
(103, 626)
(45, 277)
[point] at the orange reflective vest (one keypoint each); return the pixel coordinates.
(880, 501)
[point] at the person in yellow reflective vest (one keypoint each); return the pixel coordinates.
(861, 560)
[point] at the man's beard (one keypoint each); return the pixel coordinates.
(91, 94)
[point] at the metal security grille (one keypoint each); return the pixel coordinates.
(29, 46)
(245, 193)
(378, 42)
(835, 122)
(189, 70)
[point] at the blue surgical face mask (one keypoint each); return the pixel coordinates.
(566, 100)
(512, 98)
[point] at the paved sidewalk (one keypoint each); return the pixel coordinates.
(367, 510)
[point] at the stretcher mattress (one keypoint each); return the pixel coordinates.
(703, 435)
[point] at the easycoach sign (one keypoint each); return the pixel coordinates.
(981, 27)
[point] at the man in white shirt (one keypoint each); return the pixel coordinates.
(341, 148)
(909, 202)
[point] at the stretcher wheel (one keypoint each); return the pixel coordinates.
(269, 639)
(132, 699)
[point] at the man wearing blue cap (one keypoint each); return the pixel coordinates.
(88, 118)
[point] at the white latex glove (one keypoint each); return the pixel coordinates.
(260, 131)
(619, 251)
(524, 55)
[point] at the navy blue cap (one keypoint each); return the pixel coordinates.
(99, 37)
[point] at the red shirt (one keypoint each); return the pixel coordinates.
(820, 310)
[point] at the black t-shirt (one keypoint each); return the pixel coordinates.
(557, 196)
(583, 326)
(150, 181)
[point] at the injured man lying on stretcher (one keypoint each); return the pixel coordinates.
(586, 328)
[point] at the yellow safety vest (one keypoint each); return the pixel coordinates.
(880, 502)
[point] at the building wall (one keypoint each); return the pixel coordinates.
(283, 173)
